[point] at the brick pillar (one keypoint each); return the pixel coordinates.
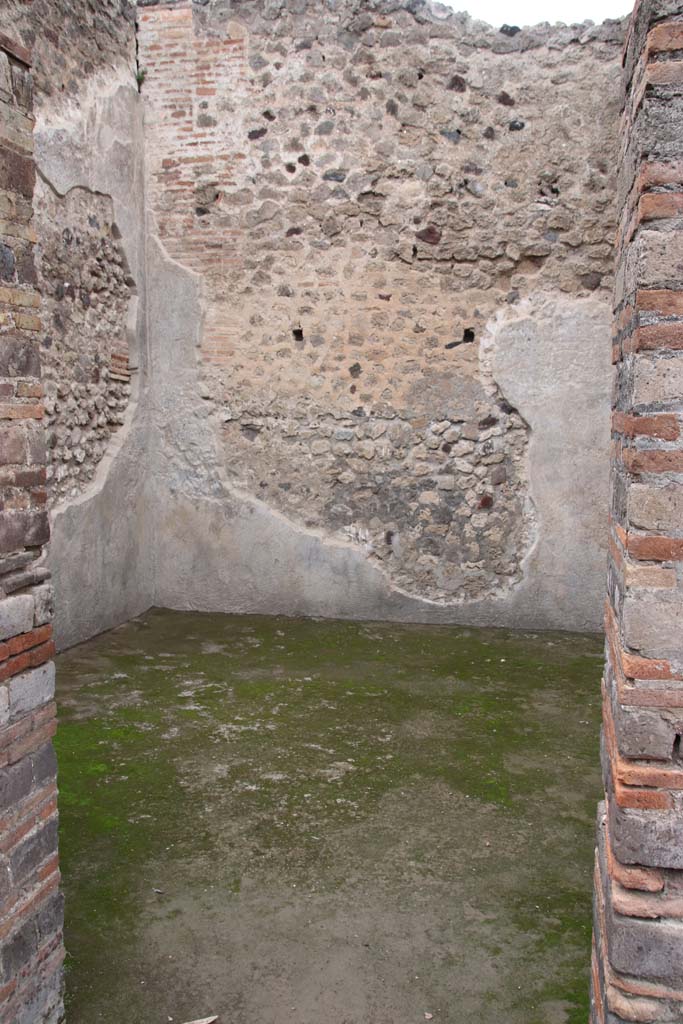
(638, 928)
(30, 901)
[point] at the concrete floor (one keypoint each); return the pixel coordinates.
(285, 821)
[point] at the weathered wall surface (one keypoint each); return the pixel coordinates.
(393, 273)
(86, 293)
(376, 214)
(638, 957)
(31, 950)
(89, 218)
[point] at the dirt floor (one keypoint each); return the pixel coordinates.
(278, 821)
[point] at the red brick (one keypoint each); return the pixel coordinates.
(633, 666)
(25, 641)
(629, 789)
(660, 300)
(665, 37)
(664, 72)
(27, 659)
(637, 667)
(38, 496)
(21, 412)
(656, 173)
(655, 549)
(661, 205)
(26, 811)
(647, 989)
(45, 964)
(659, 336)
(33, 477)
(652, 460)
(6, 992)
(51, 867)
(646, 697)
(642, 799)
(624, 318)
(620, 532)
(636, 786)
(648, 776)
(617, 553)
(664, 426)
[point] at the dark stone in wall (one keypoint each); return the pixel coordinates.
(23, 529)
(7, 263)
(17, 172)
(18, 357)
(430, 234)
(457, 84)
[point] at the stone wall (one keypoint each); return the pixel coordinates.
(369, 377)
(89, 220)
(381, 209)
(86, 291)
(82, 271)
(638, 955)
(72, 41)
(30, 903)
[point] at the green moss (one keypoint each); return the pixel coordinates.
(235, 751)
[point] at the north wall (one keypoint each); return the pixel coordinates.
(326, 303)
(379, 267)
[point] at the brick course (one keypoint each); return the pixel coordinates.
(638, 940)
(30, 904)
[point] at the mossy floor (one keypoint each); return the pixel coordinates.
(281, 821)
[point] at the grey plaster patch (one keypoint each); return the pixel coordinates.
(101, 550)
(552, 361)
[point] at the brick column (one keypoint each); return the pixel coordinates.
(638, 927)
(30, 901)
